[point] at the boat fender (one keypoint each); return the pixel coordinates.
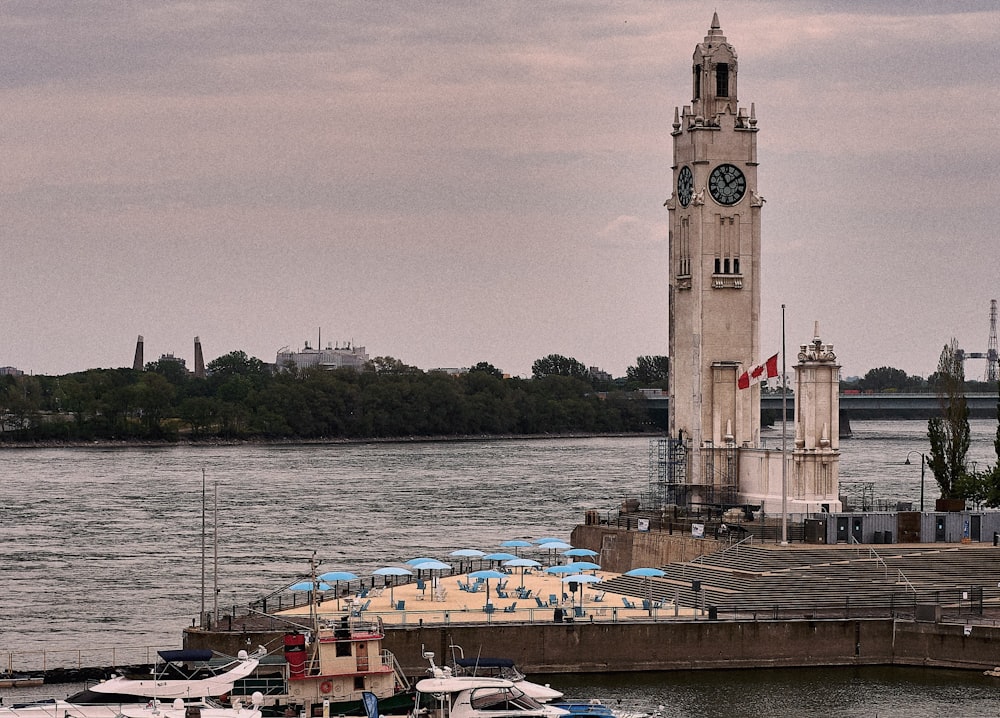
(325, 687)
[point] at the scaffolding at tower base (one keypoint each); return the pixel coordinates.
(670, 480)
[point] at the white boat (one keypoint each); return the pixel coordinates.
(153, 708)
(165, 685)
(445, 695)
(505, 668)
(169, 693)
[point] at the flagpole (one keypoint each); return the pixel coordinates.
(784, 436)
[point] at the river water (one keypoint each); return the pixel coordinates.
(102, 546)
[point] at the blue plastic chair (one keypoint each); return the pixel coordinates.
(628, 604)
(400, 605)
(541, 603)
(511, 608)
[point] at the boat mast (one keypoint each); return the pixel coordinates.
(201, 617)
(215, 557)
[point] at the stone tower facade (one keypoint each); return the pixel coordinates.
(714, 273)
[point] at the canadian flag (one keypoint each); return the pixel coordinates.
(759, 373)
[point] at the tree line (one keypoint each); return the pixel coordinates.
(245, 399)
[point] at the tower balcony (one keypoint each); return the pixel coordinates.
(727, 281)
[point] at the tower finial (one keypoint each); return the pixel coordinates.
(715, 21)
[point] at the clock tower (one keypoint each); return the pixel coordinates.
(714, 275)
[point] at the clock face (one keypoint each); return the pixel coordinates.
(685, 186)
(727, 184)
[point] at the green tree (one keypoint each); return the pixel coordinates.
(949, 433)
(558, 365)
(487, 368)
(650, 371)
(884, 378)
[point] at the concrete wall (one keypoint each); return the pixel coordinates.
(621, 550)
(676, 645)
(596, 647)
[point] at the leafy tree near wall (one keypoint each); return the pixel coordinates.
(949, 433)
(558, 365)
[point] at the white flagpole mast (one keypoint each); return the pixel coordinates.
(784, 436)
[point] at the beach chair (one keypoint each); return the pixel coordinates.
(553, 599)
(627, 603)
(501, 593)
(565, 597)
(462, 586)
(474, 588)
(400, 605)
(598, 597)
(421, 585)
(502, 583)
(578, 611)
(541, 603)
(511, 608)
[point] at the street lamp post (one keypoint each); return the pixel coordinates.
(923, 463)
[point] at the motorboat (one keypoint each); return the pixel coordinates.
(170, 680)
(172, 691)
(152, 708)
(445, 695)
(505, 668)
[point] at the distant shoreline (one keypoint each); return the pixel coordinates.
(132, 443)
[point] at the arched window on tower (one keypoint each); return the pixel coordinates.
(697, 82)
(722, 79)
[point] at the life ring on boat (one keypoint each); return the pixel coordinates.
(325, 687)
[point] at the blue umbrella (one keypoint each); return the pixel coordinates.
(522, 563)
(580, 578)
(392, 571)
(547, 539)
(584, 566)
(309, 586)
(646, 574)
(555, 545)
(487, 575)
(499, 557)
(416, 561)
(336, 577)
(515, 544)
(580, 552)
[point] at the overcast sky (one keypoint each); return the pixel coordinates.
(449, 183)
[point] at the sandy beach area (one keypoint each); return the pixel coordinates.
(441, 600)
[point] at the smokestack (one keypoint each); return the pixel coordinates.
(137, 362)
(199, 360)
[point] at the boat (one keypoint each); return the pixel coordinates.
(328, 671)
(545, 694)
(171, 692)
(171, 680)
(445, 695)
(152, 708)
(505, 668)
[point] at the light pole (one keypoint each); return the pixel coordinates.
(923, 463)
